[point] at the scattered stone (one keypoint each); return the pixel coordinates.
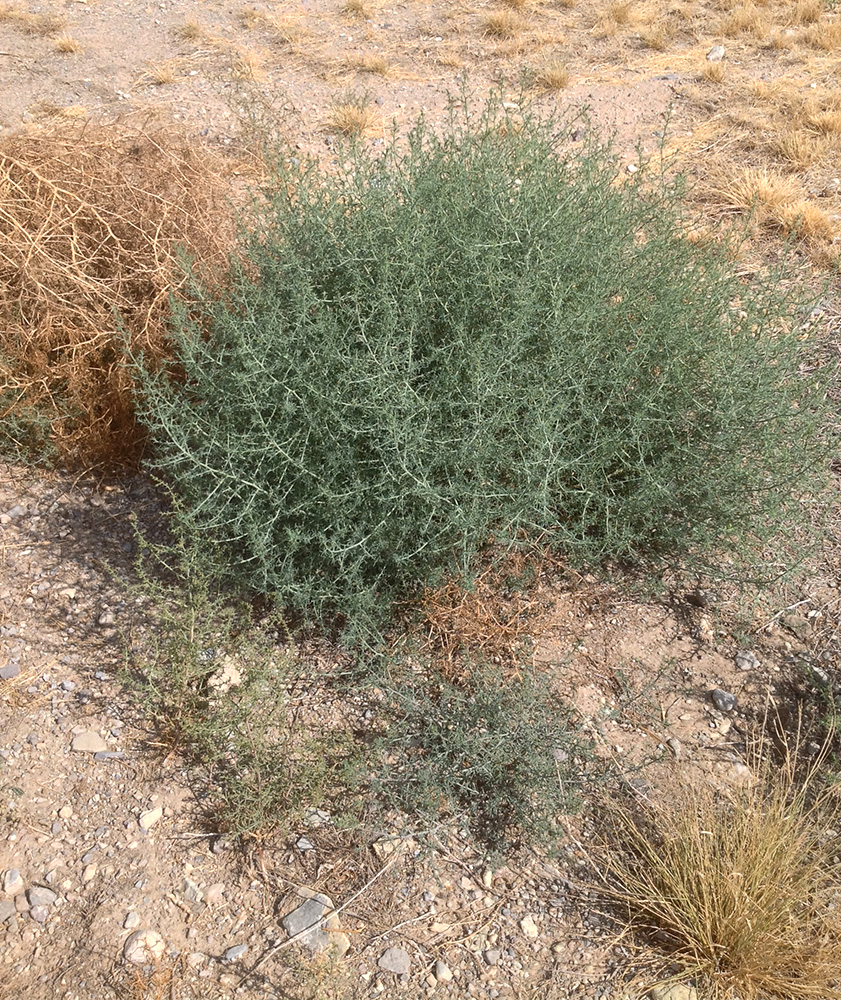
(386, 846)
(227, 676)
(89, 873)
(66, 812)
(673, 743)
(306, 921)
(132, 920)
(232, 954)
(38, 895)
(395, 960)
(316, 817)
(214, 893)
(192, 893)
(21, 905)
(39, 913)
(304, 844)
(716, 54)
(676, 991)
(12, 882)
(7, 909)
(109, 755)
(88, 742)
(9, 671)
(149, 818)
(529, 927)
(442, 972)
(723, 700)
(144, 947)
(745, 660)
(195, 959)
(492, 956)
(106, 618)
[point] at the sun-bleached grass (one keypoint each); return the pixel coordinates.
(777, 202)
(369, 63)
(553, 75)
(29, 23)
(67, 45)
(351, 116)
(503, 24)
(739, 886)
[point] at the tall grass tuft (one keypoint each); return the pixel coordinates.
(478, 334)
(740, 888)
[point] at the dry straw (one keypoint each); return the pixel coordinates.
(93, 219)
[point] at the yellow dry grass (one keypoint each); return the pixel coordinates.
(777, 202)
(67, 45)
(503, 24)
(29, 23)
(369, 63)
(553, 75)
(738, 885)
(351, 117)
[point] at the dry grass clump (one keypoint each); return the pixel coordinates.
(798, 148)
(777, 201)
(356, 8)
(369, 63)
(747, 19)
(31, 24)
(714, 72)
(553, 75)
(351, 116)
(824, 35)
(503, 23)
(284, 29)
(738, 887)
(67, 45)
(808, 11)
(162, 73)
(191, 31)
(485, 619)
(91, 221)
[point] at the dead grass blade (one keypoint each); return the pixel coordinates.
(738, 886)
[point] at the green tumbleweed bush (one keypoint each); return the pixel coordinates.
(482, 331)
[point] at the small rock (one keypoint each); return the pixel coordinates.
(395, 960)
(106, 618)
(673, 743)
(227, 676)
(492, 956)
(676, 991)
(65, 812)
(304, 844)
(632, 168)
(745, 660)
(316, 817)
(232, 954)
(7, 909)
(195, 959)
(39, 914)
(723, 700)
(21, 905)
(442, 972)
(306, 919)
(192, 893)
(529, 927)
(109, 755)
(9, 671)
(88, 742)
(144, 947)
(89, 873)
(12, 882)
(38, 895)
(132, 920)
(716, 54)
(149, 818)
(214, 893)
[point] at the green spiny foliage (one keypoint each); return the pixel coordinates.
(502, 757)
(483, 331)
